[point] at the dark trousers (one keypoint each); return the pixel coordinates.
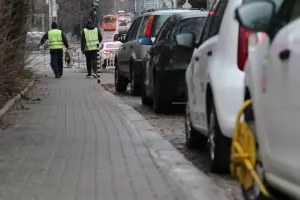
(57, 64)
(91, 61)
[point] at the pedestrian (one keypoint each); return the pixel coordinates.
(57, 40)
(90, 40)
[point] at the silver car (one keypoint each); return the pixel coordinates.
(139, 38)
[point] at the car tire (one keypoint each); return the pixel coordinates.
(104, 65)
(145, 99)
(121, 82)
(193, 139)
(253, 193)
(160, 105)
(218, 144)
(135, 88)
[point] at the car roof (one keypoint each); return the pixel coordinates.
(193, 14)
(169, 11)
(117, 42)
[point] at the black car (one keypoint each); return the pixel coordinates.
(163, 80)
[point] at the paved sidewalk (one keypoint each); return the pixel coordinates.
(74, 144)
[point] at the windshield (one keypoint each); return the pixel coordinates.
(109, 19)
(159, 21)
(112, 46)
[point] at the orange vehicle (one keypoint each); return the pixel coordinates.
(109, 22)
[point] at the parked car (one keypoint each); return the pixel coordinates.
(122, 26)
(107, 52)
(163, 79)
(214, 81)
(131, 54)
(271, 82)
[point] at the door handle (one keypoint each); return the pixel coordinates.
(284, 54)
(209, 53)
(197, 58)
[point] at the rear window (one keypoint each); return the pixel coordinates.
(158, 22)
(112, 46)
(109, 20)
(123, 24)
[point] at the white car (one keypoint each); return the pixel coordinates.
(272, 83)
(107, 53)
(214, 81)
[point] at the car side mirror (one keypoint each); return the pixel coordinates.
(145, 41)
(185, 40)
(256, 15)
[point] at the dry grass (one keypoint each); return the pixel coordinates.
(15, 15)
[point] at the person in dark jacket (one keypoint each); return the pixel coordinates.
(57, 40)
(90, 40)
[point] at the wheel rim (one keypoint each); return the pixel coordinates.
(253, 193)
(212, 136)
(188, 127)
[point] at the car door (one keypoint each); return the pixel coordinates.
(201, 61)
(154, 56)
(281, 98)
(126, 48)
(180, 56)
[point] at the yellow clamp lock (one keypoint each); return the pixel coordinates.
(243, 153)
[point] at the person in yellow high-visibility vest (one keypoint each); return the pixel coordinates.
(90, 40)
(57, 41)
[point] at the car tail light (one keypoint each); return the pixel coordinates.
(211, 12)
(242, 47)
(106, 52)
(148, 29)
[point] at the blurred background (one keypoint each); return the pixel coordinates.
(76, 12)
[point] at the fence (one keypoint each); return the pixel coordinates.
(78, 59)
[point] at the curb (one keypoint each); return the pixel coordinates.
(12, 102)
(195, 184)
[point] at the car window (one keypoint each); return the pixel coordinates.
(101, 47)
(143, 26)
(158, 22)
(132, 31)
(192, 25)
(213, 21)
(165, 29)
(217, 19)
(295, 12)
(136, 29)
(287, 12)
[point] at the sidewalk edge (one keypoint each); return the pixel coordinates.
(12, 102)
(195, 184)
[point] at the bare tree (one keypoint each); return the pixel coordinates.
(14, 18)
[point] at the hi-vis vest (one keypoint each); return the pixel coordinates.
(91, 38)
(55, 39)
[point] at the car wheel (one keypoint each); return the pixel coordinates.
(218, 144)
(254, 193)
(120, 81)
(160, 105)
(135, 89)
(193, 139)
(145, 99)
(104, 64)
